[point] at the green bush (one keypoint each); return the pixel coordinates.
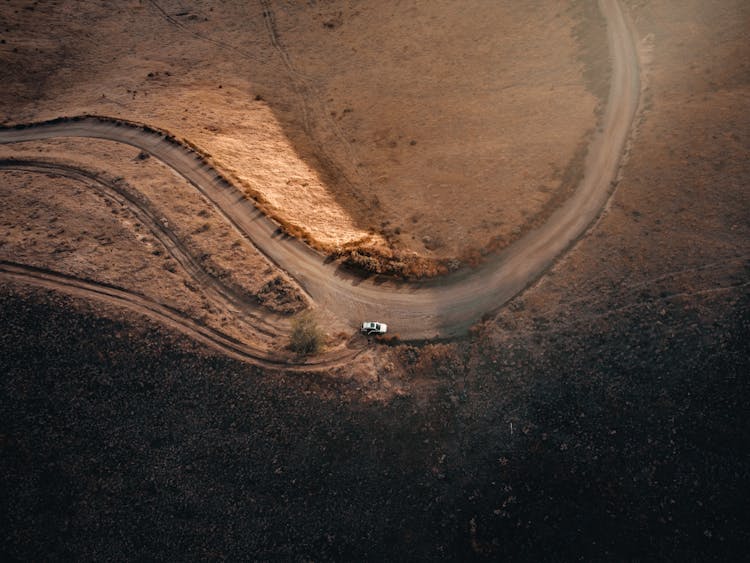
(306, 337)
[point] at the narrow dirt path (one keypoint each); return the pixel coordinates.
(438, 308)
(168, 316)
(260, 319)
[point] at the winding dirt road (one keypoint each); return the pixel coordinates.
(437, 308)
(260, 318)
(169, 317)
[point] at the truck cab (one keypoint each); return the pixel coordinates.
(374, 328)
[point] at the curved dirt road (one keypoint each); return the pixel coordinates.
(438, 308)
(169, 317)
(266, 328)
(260, 318)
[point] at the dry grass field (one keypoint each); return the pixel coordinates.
(448, 125)
(436, 131)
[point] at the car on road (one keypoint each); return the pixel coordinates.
(374, 328)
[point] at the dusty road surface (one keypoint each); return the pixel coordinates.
(170, 317)
(440, 308)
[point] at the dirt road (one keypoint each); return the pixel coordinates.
(438, 308)
(261, 319)
(171, 317)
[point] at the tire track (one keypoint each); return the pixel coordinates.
(178, 24)
(144, 211)
(313, 107)
(302, 88)
(623, 290)
(166, 315)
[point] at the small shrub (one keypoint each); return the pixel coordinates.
(307, 337)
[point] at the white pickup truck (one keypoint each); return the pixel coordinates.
(374, 328)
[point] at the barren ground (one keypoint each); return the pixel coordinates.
(623, 373)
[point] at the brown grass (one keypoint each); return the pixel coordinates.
(384, 174)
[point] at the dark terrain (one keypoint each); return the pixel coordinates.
(627, 444)
(623, 371)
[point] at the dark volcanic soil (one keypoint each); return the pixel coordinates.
(629, 443)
